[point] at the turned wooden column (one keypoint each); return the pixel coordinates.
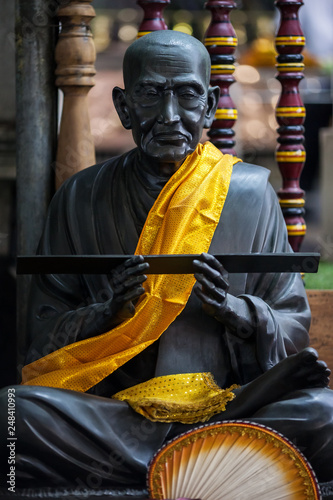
(221, 42)
(75, 57)
(290, 115)
(153, 16)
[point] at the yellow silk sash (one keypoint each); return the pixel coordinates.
(182, 221)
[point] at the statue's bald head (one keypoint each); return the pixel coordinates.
(167, 100)
(162, 43)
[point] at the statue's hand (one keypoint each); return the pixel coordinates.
(126, 282)
(232, 311)
(214, 282)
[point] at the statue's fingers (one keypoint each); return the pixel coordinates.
(133, 281)
(121, 288)
(215, 276)
(133, 266)
(215, 264)
(140, 268)
(205, 282)
(206, 299)
(211, 260)
(222, 282)
(121, 270)
(205, 269)
(209, 286)
(133, 294)
(132, 261)
(210, 292)
(115, 276)
(121, 276)
(209, 305)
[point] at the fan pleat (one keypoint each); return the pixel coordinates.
(223, 462)
(249, 461)
(192, 479)
(208, 464)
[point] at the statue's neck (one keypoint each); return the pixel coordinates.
(167, 169)
(158, 168)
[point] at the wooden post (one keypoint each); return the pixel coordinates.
(153, 16)
(36, 126)
(290, 115)
(75, 56)
(221, 42)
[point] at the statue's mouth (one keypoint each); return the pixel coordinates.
(170, 137)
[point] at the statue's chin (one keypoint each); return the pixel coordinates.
(171, 158)
(169, 154)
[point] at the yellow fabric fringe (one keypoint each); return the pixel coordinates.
(182, 221)
(187, 398)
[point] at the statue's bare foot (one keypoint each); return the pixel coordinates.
(299, 371)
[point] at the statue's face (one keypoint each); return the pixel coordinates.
(167, 102)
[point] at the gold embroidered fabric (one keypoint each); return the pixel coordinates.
(182, 221)
(187, 398)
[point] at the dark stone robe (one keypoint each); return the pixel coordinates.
(69, 436)
(102, 211)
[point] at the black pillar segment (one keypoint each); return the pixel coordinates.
(36, 28)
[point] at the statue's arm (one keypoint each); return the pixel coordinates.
(57, 319)
(273, 313)
(278, 302)
(64, 309)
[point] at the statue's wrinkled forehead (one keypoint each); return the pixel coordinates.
(168, 49)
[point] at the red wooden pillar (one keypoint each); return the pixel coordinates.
(153, 16)
(221, 42)
(290, 115)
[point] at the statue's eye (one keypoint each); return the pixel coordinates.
(150, 93)
(187, 93)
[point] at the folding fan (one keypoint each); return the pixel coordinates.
(232, 460)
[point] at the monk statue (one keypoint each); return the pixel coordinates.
(118, 363)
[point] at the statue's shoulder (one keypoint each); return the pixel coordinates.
(89, 175)
(88, 179)
(251, 183)
(248, 174)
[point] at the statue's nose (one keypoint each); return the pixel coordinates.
(169, 112)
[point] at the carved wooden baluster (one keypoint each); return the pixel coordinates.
(153, 16)
(221, 42)
(75, 56)
(290, 115)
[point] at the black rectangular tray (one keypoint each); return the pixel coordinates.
(169, 264)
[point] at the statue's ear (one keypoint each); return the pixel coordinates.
(213, 99)
(119, 101)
